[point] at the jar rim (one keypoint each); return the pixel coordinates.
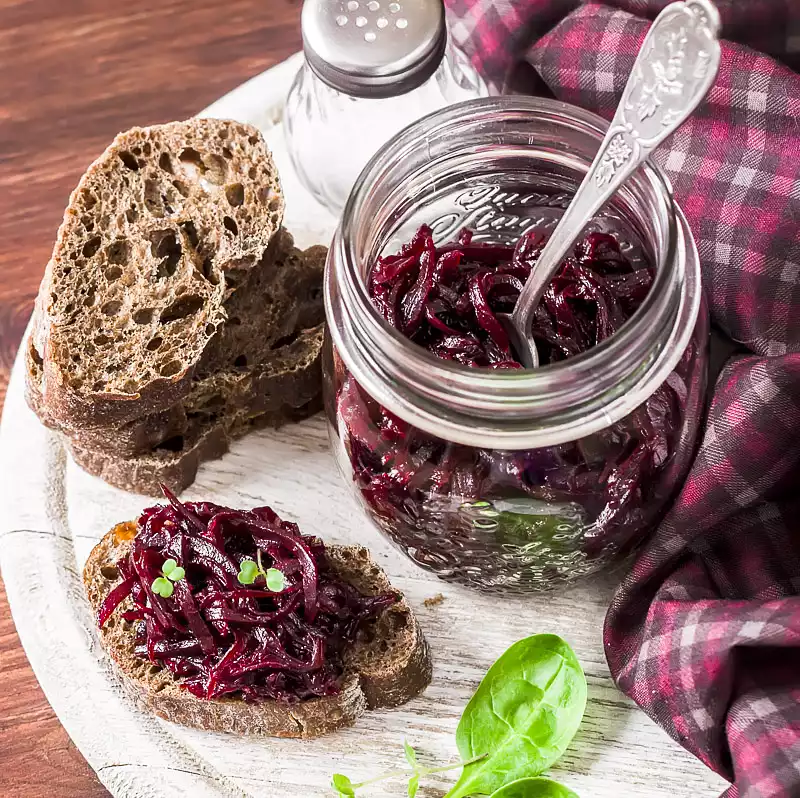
(511, 409)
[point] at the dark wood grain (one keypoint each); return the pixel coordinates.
(75, 72)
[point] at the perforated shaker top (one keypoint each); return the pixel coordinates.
(374, 48)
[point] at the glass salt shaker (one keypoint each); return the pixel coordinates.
(372, 67)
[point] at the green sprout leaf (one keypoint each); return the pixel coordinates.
(248, 572)
(341, 783)
(172, 571)
(413, 786)
(162, 587)
(411, 754)
(177, 574)
(276, 581)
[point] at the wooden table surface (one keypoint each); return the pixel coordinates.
(74, 73)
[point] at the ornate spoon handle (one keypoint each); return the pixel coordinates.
(674, 70)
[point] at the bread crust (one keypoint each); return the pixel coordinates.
(145, 473)
(373, 678)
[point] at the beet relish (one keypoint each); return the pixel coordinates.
(220, 636)
(446, 298)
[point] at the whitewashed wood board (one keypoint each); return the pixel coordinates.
(53, 513)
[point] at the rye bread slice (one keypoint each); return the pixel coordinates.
(159, 232)
(269, 398)
(263, 359)
(271, 311)
(388, 665)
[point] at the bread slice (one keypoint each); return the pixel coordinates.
(263, 359)
(271, 310)
(160, 231)
(388, 664)
(210, 429)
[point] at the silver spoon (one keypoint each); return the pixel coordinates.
(673, 72)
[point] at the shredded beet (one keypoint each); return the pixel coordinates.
(220, 636)
(446, 299)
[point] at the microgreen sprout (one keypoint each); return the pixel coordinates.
(345, 788)
(172, 572)
(342, 785)
(250, 570)
(162, 587)
(411, 754)
(276, 581)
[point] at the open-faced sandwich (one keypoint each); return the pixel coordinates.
(233, 621)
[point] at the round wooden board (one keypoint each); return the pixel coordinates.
(53, 513)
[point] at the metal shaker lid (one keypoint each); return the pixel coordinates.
(374, 48)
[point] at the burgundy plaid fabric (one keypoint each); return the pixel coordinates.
(704, 633)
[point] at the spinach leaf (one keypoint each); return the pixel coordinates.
(534, 788)
(523, 715)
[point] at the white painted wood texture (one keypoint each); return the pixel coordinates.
(53, 513)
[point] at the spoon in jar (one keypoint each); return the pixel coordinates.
(676, 66)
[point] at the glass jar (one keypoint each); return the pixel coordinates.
(512, 480)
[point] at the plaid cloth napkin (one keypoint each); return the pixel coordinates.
(704, 633)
